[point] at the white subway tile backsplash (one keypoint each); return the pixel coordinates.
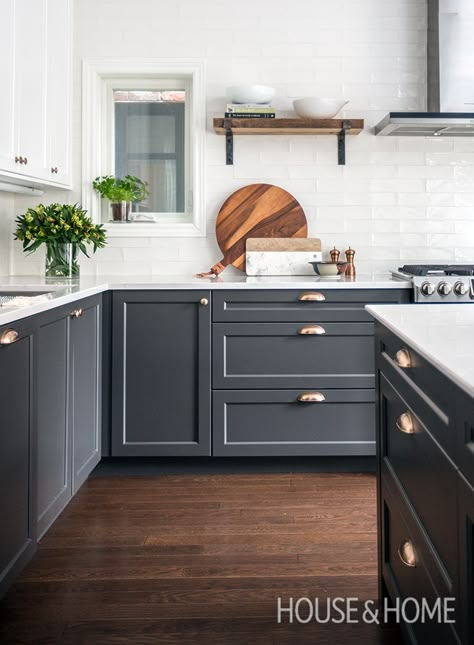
(397, 199)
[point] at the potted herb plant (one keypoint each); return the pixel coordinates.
(65, 229)
(121, 193)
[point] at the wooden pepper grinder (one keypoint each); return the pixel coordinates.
(350, 271)
(334, 255)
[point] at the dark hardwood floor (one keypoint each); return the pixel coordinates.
(200, 559)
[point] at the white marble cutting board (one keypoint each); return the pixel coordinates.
(281, 262)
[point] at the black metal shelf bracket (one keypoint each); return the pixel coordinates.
(341, 142)
(229, 143)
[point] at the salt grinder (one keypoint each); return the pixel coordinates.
(334, 255)
(350, 271)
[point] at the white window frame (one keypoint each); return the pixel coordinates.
(99, 78)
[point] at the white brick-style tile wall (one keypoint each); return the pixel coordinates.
(396, 200)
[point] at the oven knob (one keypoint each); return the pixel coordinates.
(427, 289)
(444, 288)
(460, 289)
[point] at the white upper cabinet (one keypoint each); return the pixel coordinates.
(35, 72)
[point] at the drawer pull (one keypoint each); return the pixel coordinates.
(405, 423)
(311, 330)
(76, 313)
(312, 296)
(8, 337)
(311, 397)
(204, 302)
(403, 358)
(406, 553)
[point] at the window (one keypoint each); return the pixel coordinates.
(146, 120)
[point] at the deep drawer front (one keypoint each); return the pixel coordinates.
(274, 422)
(426, 390)
(422, 469)
(403, 544)
(293, 355)
(306, 304)
(465, 436)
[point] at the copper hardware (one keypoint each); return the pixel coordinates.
(335, 253)
(312, 296)
(311, 397)
(406, 553)
(54, 170)
(350, 269)
(403, 358)
(8, 337)
(76, 313)
(18, 159)
(405, 423)
(25, 160)
(204, 302)
(311, 330)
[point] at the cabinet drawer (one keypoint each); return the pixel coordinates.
(293, 355)
(403, 539)
(275, 422)
(275, 305)
(428, 392)
(465, 435)
(422, 469)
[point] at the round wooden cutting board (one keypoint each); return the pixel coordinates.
(258, 210)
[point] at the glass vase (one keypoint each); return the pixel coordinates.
(62, 260)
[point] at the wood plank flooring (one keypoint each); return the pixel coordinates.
(200, 559)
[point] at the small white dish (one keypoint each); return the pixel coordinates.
(250, 93)
(313, 107)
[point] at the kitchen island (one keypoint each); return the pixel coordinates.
(425, 455)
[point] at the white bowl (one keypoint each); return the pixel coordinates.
(250, 93)
(313, 107)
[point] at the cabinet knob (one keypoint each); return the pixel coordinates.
(204, 302)
(25, 160)
(18, 159)
(406, 553)
(312, 296)
(311, 397)
(54, 170)
(405, 423)
(76, 313)
(8, 337)
(311, 330)
(403, 358)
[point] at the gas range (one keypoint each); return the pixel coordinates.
(439, 282)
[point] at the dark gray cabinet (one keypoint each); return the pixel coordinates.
(161, 373)
(54, 476)
(18, 526)
(294, 371)
(85, 336)
(426, 501)
(68, 403)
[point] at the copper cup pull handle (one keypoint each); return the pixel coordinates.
(406, 553)
(312, 296)
(311, 397)
(403, 358)
(8, 337)
(311, 330)
(405, 423)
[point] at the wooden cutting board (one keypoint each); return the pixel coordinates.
(283, 244)
(257, 210)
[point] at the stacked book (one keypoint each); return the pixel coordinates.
(249, 111)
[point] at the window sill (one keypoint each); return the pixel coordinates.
(156, 229)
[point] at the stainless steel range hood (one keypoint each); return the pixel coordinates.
(450, 82)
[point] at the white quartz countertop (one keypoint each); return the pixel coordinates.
(64, 292)
(443, 334)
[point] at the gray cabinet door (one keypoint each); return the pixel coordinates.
(54, 476)
(84, 389)
(275, 422)
(161, 373)
(17, 533)
(466, 559)
(293, 355)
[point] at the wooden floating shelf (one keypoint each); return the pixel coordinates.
(339, 127)
(288, 126)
